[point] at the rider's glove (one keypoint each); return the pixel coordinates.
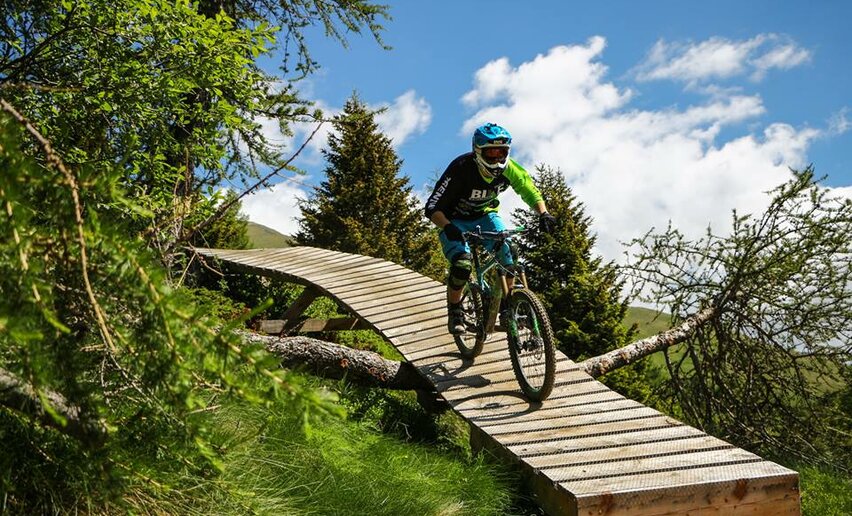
(547, 223)
(453, 232)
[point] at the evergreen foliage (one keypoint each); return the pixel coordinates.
(582, 294)
(364, 206)
(142, 109)
(168, 92)
(86, 313)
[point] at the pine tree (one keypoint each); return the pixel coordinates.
(582, 294)
(364, 206)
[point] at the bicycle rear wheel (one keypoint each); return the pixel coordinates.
(471, 341)
(531, 345)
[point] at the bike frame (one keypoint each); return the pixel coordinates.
(490, 268)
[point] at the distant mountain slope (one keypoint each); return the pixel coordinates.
(262, 237)
(650, 321)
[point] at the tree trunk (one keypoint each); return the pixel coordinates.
(334, 361)
(602, 364)
(18, 395)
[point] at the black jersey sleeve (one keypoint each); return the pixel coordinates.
(445, 195)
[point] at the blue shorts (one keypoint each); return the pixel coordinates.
(489, 222)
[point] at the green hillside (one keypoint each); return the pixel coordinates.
(262, 237)
(650, 321)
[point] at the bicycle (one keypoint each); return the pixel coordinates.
(500, 290)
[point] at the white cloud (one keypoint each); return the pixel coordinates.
(276, 206)
(720, 58)
(407, 115)
(636, 169)
(839, 122)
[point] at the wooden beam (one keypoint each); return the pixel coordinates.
(313, 325)
(291, 315)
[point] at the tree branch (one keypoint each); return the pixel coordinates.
(602, 364)
(17, 395)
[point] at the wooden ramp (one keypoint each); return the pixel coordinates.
(586, 450)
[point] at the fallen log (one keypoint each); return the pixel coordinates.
(602, 364)
(334, 361)
(20, 396)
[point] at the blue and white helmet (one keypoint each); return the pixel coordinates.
(491, 144)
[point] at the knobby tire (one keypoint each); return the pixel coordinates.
(531, 348)
(471, 342)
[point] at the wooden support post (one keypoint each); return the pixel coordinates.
(313, 325)
(291, 316)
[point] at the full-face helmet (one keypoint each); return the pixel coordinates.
(491, 144)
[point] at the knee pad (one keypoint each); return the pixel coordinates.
(460, 271)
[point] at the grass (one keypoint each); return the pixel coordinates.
(648, 321)
(825, 493)
(274, 463)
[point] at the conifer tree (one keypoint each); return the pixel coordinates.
(364, 206)
(582, 294)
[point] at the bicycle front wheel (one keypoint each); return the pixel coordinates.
(471, 341)
(531, 345)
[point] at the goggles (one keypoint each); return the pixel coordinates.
(494, 154)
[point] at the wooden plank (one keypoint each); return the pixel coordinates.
(573, 444)
(299, 269)
(261, 259)
(390, 316)
(628, 452)
(359, 274)
(559, 410)
(271, 256)
(242, 255)
(498, 377)
(436, 325)
(384, 301)
(337, 324)
(367, 274)
(341, 264)
(379, 315)
(314, 325)
(423, 291)
(548, 428)
(601, 428)
(295, 310)
(508, 381)
(590, 394)
(502, 364)
(337, 260)
(412, 317)
(279, 263)
(681, 491)
(503, 367)
(620, 471)
(395, 280)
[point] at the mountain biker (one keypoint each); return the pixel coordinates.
(466, 196)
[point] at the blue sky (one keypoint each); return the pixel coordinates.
(654, 111)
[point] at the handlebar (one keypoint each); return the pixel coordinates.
(479, 236)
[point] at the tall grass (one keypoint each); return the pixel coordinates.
(278, 461)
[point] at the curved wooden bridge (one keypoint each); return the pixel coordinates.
(585, 451)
